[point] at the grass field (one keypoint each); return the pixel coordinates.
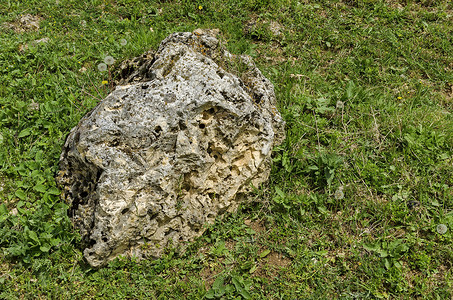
(360, 200)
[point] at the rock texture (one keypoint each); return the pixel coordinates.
(158, 159)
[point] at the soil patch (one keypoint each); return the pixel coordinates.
(25, 23)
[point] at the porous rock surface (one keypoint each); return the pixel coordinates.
(158, 159)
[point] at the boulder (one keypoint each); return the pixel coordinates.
(182, 142)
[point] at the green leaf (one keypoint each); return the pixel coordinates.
(279, 192)
(286, 162)
(403, 248)
(442, 156)
(245, 294)
(383, 253)
(33, 236)
(349, 89)
(20, 204)
(24, 133)
(313, 167)
(39, 155)
(387, 263)
(54, 191)
(20, 194)
(210, 294)
(275, 71)
(322, 210)
(218, 283)
(229, 289)
(265, 253)
(372, 247)
(55, 242)
(45, 248)
(252, 269)
(3, 210)
(40, 188)
(379, 295)
(220, 291)
(17, 250)
(220, 250)
(238, 284)
(394, 244)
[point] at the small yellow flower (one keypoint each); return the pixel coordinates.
(104, 82)
(200, 7)
(399, 98)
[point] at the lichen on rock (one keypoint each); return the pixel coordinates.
(180, 143)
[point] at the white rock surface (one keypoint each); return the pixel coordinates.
(157, 160)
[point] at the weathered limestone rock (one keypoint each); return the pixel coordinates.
(158, 159)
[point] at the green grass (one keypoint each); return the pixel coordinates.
(357, 189)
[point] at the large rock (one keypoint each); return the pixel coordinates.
(158, 159)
